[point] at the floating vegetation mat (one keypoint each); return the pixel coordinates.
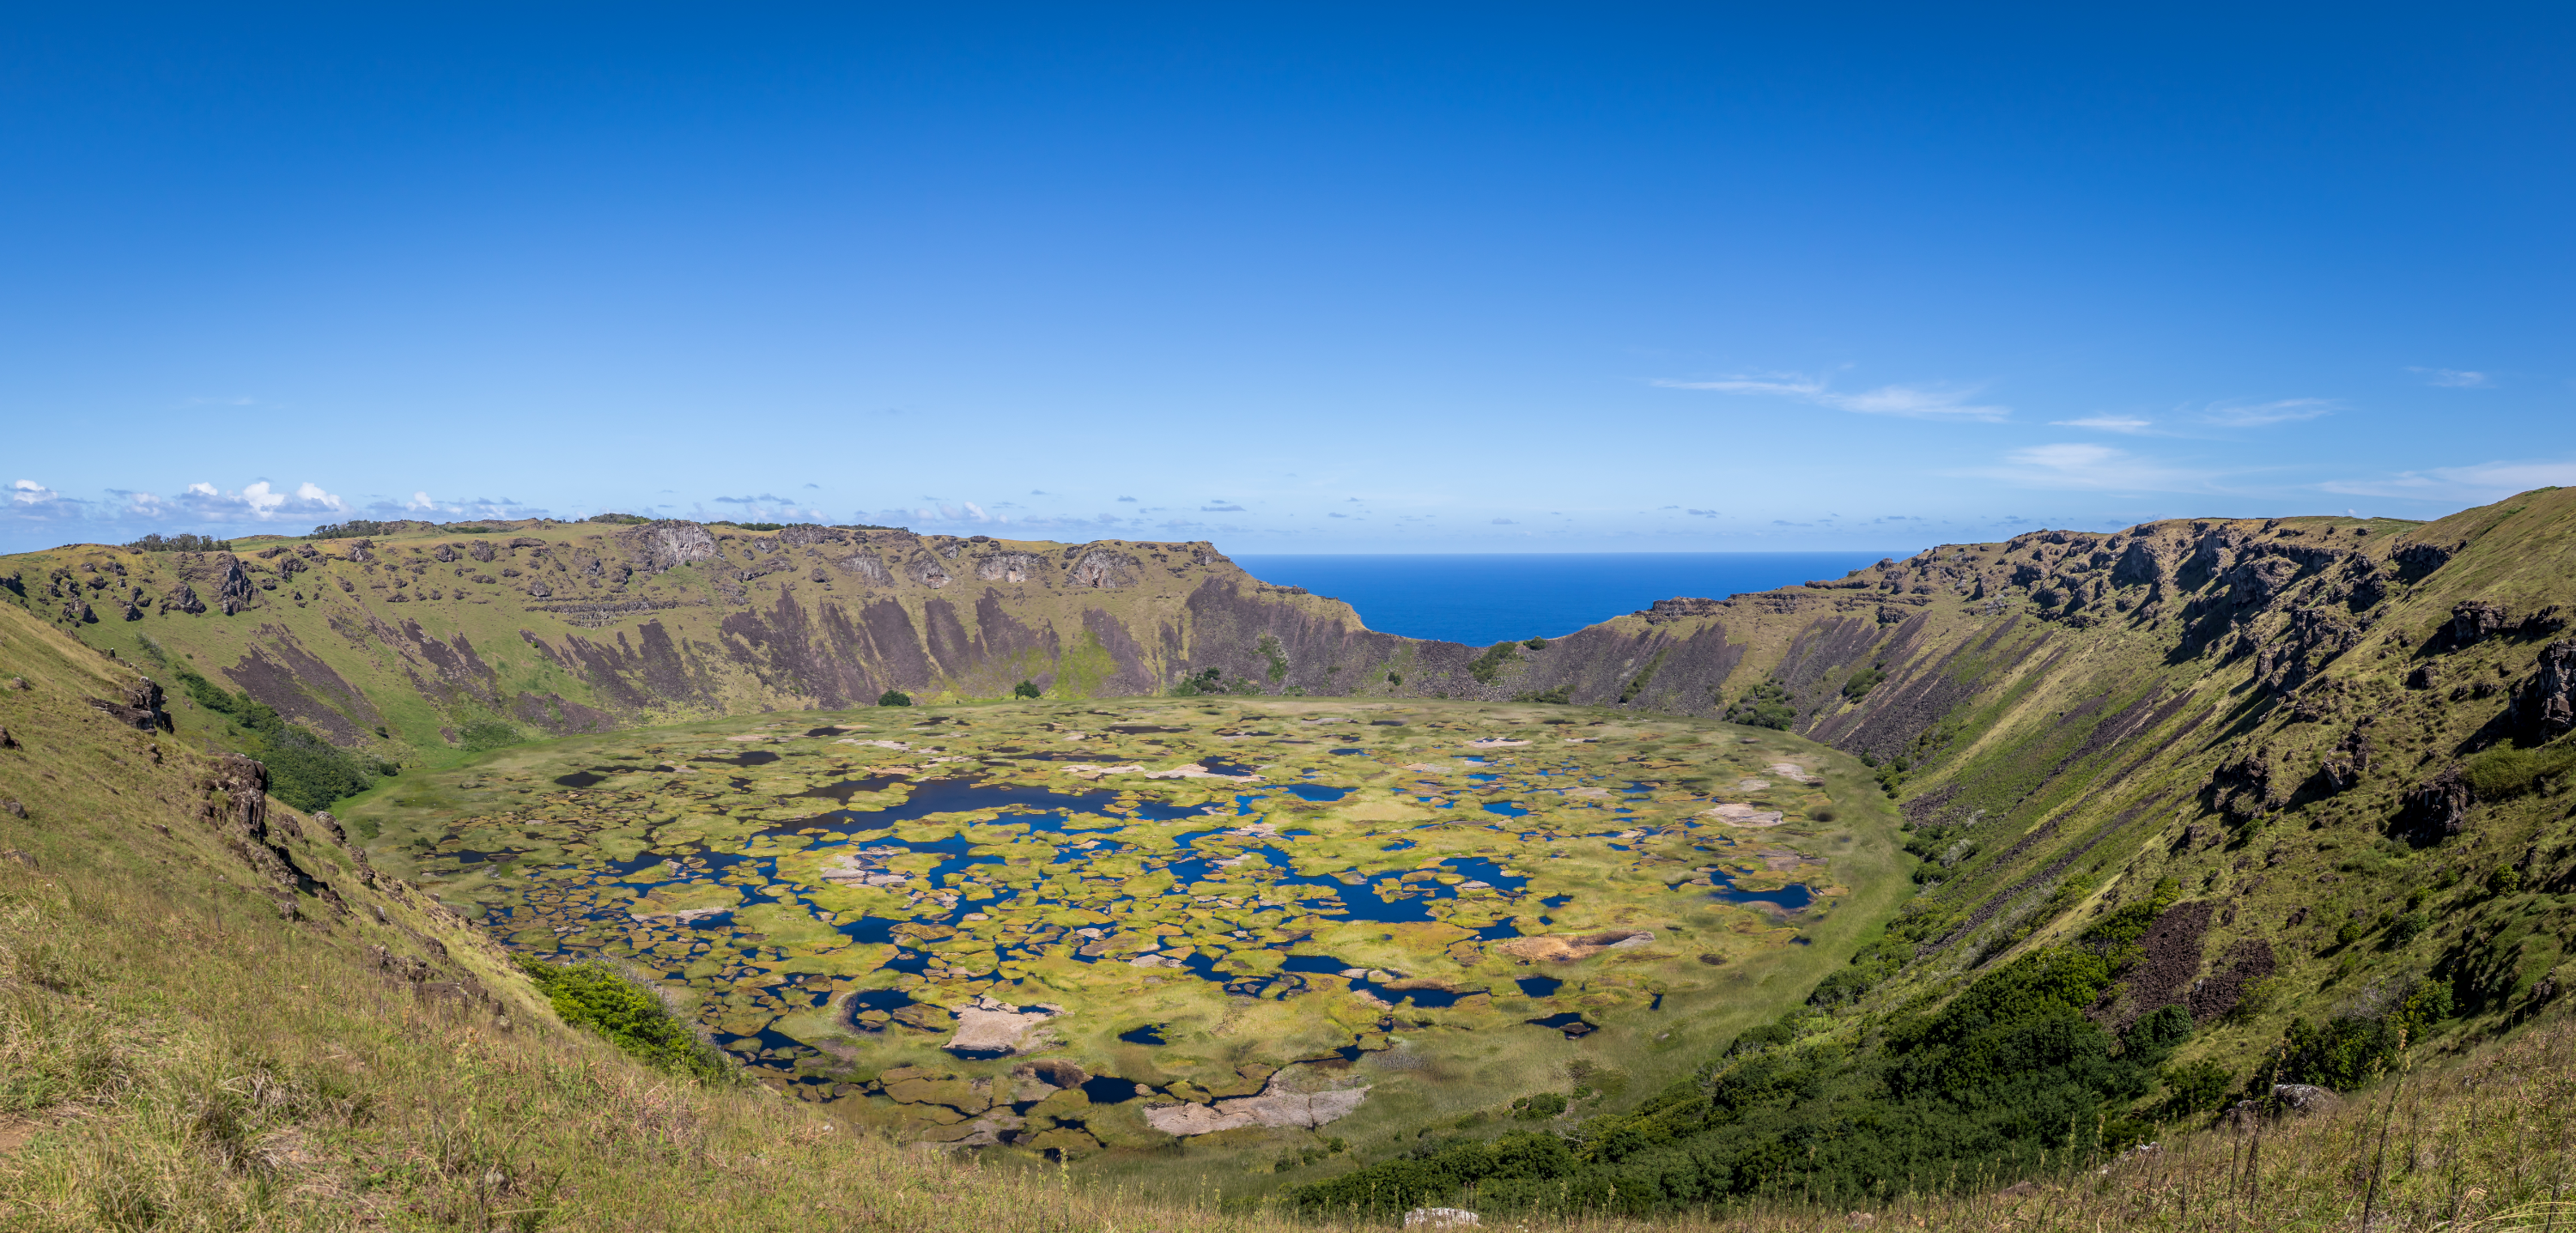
(1075, 928)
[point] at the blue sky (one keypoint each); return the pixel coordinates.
(1289, 277)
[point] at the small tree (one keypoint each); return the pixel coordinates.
(1027, 689)
(894, 697)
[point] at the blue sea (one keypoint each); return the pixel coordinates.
(1484, 598)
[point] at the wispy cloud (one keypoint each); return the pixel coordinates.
(2257, 414)
(2481, 482)
(29, 492)
(2108, 423)
(1920, 402)
(1220, 509)
(2454, 378)
(2085, 466)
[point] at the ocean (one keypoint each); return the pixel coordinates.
(1483, 598)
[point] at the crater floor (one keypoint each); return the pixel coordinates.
(1086, 928)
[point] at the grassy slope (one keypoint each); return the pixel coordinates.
(178, 1055)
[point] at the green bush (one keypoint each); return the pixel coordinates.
(1766, 705)
(894, 697)
(1027, 689)
(1489, 665)
(488, 734)
(1560, 695)
(1538, 1108)
(355, 528)
(594, 996)
(180, 543)
(621, 520)
(1536, 644)
(304, 770)
(2193, 1088)
(1863, 681)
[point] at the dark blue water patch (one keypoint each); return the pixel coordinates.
(1571, 1023)
(1398, 846)
(978, 1055)
(1150, 1034)
(1222, 766)
(749, 757)
(1347, 752)
(1538, 986)
(1657, 1004)
(829, 731)
(888, 1000)
(1556, 901)
(1141, 729)
(1433, 998)
(1803, 940)
(916, 963)
(1325, 965)
(1315, 792)
(1111, 1090)
(580, 779)
(1507, 809)
(1498, 931)
(870, 929)
(1619, 847)
(1482, 778)
(842, 791)
(1792, 898)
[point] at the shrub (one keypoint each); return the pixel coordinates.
(2193, 1088)
(180, 543)
(1536, 644)
(355, 528)
(304, 770)
(1863, 681)
(1489, 665)
(1765, 705)
(1560, 695)
(632, 1017)
(488, 734)
(621, 520)
(1027, 689)
(894, 697)
(1538, 1108)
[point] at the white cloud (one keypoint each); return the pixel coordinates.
(2087, 466)
(2480, 483)
(2455, 378)
(29, 492)
(2107, 423)
(260, 501)
(420, 500)
(1906, 401)
(2281, 411)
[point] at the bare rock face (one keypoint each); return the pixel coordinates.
(182, 598)
(806, 534)
(2416, 560)
(2138, 565)
(927, 571)
(234, 589)
(1102, 568)
(869, 569)
(1679, 607)
(1009, 567)
(656, 547)
(140, 707)
(2546, 702)
(2475, 619)
(2439, 807)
